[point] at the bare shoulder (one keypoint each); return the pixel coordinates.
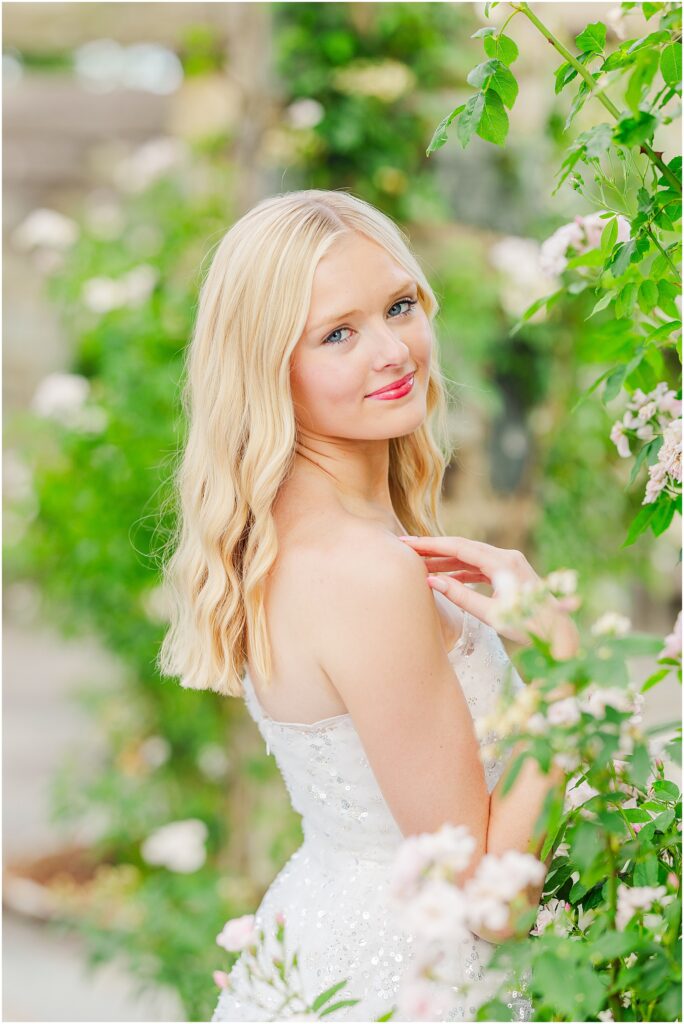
(357, 561)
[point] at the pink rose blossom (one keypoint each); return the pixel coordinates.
(238, 933)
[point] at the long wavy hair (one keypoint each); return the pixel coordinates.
(241, 432)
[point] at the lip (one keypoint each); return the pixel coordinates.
(402, 386)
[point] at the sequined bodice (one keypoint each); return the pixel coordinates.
(333, 889)
(324, 766)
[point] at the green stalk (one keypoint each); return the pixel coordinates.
(614, 1000)
(669, 175)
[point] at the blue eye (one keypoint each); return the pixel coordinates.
(399, 302)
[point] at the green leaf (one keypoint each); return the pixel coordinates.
(581, 994)
(640, 764)
(613, 944)
(614, 384)
(646, 871)
(636, 814)
(336, 1006)
(547, 300)
(577, 104)
(639, 524)
(493, 1010)
(501, 47)
(671, 64)
(664, 512)
(667, 293)
(667, 788)
(609, 236)
(592, 39)
(481, 74)
(494, 74)
(327, 994)
(669, 1006)
(585, 844)
(564, 74)
(440, 133)
(626, 300)
(598, 140)
(625, 253)
(493, 126)
(648, 295)
(663, 820)
(654, 679)
(469, 120)
(635, 130)
(641, 77)
(604, 301)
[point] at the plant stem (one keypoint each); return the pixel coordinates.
(659, 246)
(669, 175)
(614, 999)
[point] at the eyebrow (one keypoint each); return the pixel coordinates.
(409, 283)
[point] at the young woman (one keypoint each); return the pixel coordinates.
(316, 439)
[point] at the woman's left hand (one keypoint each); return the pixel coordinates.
(460, 560)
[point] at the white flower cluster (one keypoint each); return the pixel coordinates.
(638, 899)
(647, 416)
(582, 234)
(148, 163)
(305, 113)
(386, 80)
(522, 278)
(62, 397)
(102, 294)
(520, 713)
(46, 228)
(555, 916)
(529, 713)
(237, 934)
(441, 914)
(666, 472)
(516, 602)
(611, 624)
(46, 234)
(178, 846)
(425, 894)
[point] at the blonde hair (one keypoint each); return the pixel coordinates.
(241, 430)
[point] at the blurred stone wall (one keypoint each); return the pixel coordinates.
(58, 132)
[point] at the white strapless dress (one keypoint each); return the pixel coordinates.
(333, 889)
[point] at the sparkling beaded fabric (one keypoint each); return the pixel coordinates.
(333, 889)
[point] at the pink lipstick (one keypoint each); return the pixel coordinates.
(396, 390)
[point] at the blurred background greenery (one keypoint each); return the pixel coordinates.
(132, 143)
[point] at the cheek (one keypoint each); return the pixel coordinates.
(421, 342)
(327, 385)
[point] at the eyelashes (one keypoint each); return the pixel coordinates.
(340, 341)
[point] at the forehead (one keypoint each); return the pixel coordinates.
(355, 272)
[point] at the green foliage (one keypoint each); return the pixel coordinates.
(351, 58)
(634, 282)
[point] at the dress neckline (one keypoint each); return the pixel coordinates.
(346, 716)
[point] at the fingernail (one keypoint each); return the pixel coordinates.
(407, 536)
(437, 582)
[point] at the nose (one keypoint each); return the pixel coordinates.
(390, 346)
